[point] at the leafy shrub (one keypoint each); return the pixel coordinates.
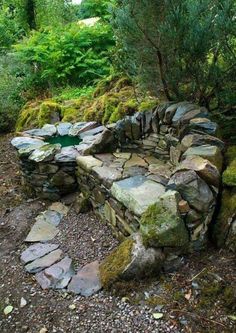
(74, 54)
(94, 8)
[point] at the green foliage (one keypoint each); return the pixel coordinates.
(94, 8)
(182, 49)
(14, 82)
(69, 93)
(73, 54)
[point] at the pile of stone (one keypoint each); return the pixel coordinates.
(153, 177)
(52, 269)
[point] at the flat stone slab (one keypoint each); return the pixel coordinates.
(36, 251)
(63, 128)
(44, 262)
(56, 276)
(135, 160)
(23, 142)
(137, 193)
(45, 153)
(59, 207)
(42, 231)
(67, 154)
(93, 131)
(51, 129)
(107, 175)
(76, 127)
(51, 216)
(39, 132)
(87, 281)
(88, 162)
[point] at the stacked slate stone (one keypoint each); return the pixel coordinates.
(154, 177)
(49, 169)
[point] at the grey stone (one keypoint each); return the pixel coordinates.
(73, 131)
(204, 125)
(44, 262)
(88, 162)
(45, 153)
(87, 127)
(25, 152)
(137, 193)
(170, 112)
(94, 131)
(104, 142)
(194, 139)
(211, 153)
(51, 129)
(23, 142)
(182, 109)
(107, 175)
(87, 281)
(134, 171)
(136, 160)
(38, 132)
(193, 189)
(36, 251)
(63, 128)
(56, 276)
(67, 154)
(205, 169)
(52, 217)
(42, 231)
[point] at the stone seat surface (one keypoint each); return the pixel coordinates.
(137, 193)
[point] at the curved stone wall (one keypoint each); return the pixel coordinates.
(153, 176)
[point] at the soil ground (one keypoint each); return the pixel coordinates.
(199, 297)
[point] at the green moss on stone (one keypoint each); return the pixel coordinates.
(229, 175)
(226, 214)
(114, 265)
(148, 105)
(28, 117)
(231, 154)
(160, 228)
(49, 113)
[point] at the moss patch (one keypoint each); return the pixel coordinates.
(114, 265)
(229, 176)
(161, 228)
(226, 215)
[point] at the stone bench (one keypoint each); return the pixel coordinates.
(154, 177)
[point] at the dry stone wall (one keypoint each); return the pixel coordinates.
(153, 177)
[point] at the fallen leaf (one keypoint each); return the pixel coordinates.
(188, 295)
(157, 315)
(8, 309)
(43, 330)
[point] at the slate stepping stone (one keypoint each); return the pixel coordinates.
(42, 231)
(56, 276)
(44, 262)
(53, 217)
(36, 251)
(87, 281)
(23, 142)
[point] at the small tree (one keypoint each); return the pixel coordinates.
(182, 48)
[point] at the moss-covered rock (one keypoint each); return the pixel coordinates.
(161, 228)
(115, 264)
(49, 113)
(130, 261)
(222, 231)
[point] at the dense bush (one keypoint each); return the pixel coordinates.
(74, 54)
(15, 81)
(94, 8)
(183, 48)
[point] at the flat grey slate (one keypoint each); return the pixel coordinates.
(36, 251)
(44, 262)
(137, 193)
(87, 281)
(42, 231)
(56, 276)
